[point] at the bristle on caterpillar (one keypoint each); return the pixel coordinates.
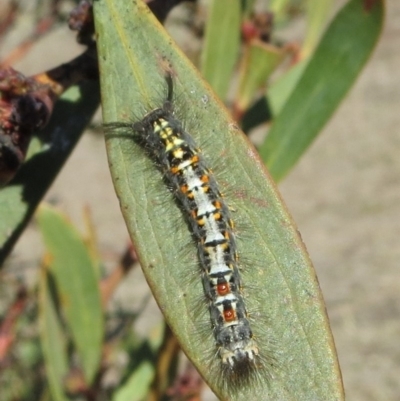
(162, 135)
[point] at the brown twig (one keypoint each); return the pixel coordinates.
(110, 283)
(165, 365)
(27, 103)
(9, 17)
(42, 27)
(81, 20)
(259, 26)
(7, 335)
(76, 386)
(188, 385)
(185, 386)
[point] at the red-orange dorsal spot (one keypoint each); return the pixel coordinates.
(223, 288)
(229, 315)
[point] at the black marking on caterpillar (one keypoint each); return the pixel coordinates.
(195, 189)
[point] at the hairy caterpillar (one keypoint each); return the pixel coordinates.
(196, 191)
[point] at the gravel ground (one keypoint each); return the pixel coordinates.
(344, 195)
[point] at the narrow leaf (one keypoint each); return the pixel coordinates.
(317, 13)
(221, 45)
(77, 285)
(258, 63)
(134, 54)
(137, 386)
(52, 340)
(280, 90)
(269, 106)
(332, 70)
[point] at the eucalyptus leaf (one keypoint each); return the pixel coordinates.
(222, 43)
(77, 287)
(328, 75)
(289, 317)
(52, 338)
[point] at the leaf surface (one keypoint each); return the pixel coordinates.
(221, 44)
(77, 287)
(282, 289)
(52, 340)
(329, 74)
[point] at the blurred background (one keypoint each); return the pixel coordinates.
(344, 195)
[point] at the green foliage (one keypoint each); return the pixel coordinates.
(329, 74)
(298, 101)
(74, 274)
(137, 386)
(221, 44)
(52, 339)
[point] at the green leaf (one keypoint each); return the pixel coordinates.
(317, 13)
(20, 198)
(222, 42)
(258, 63)
(52, 340)
(271, 104)
(78, 289)
(279, 92)
(332, 70)
(137, 386)
(281, 287)
(247, 7)
(279, 9)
